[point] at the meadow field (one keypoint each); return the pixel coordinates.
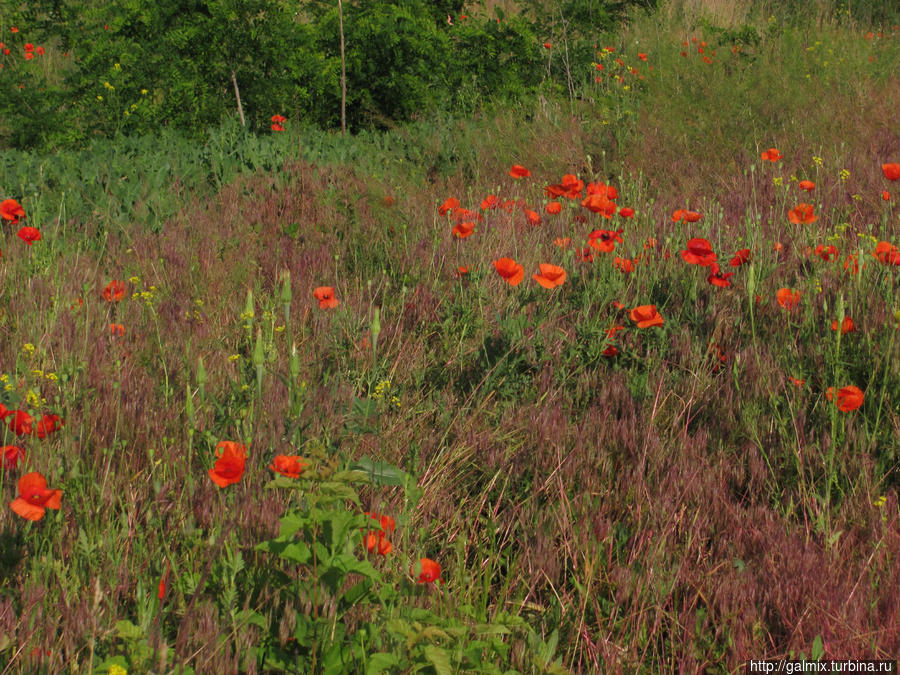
(602, 380)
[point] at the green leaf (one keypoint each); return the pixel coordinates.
(294, 551)
(380, 662)
(439, 659)
(818, 649)
(128, 631)
(379, 473)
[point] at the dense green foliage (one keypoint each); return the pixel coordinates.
(134, 66)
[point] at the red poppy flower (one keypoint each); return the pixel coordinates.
(742, 257)
(12, 456)
(607, 191)
(551, 276)
(699, 252)
(229, 466)
(849, 398)
(887, 253)
(11, 210)
(279, 119)
(29, 47)
(463, 230)
(39, 51)
(519, 171)
(599, 203)
(377, 543)
(387, 523)
(510, 270)
(624, 265)
(771, 155)
(605, 240)
(450, 204)
(851, 264)
(562, 242)
(585, 254)
(325, 296)
(692, 217)
(802, 214)
(885, 195)
(533, 217)
(116, 329)
(462, 271)
(796, 382)
(827, 253)
(426, 571)
(29, 56)
(891, 171)
(807, 185)
(490, 202)
(277, 127)
(548, 45)
(19, 422)
(626, 212)
(642, 57)
(788, 298)
(717, 278)
(29, 234)
(114, 291)
(288, 465)
(847, 325)
(34, 497)
(646, 316)
(46, 425)
(553, 208)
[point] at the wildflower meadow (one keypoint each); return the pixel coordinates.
(597, 372)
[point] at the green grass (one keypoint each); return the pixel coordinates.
(679, 503)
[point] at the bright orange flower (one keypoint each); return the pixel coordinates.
(519, 171)
(788, 298)
(325, 296)
(387, 523)
(550, 276)
(796, 382)
(34, 497)
(642, 57)
(802, 214)
(229, 466)
(553, 208)
(463, 230)
(377, 543)
(462, 271)
(646, 316)
(849, 398)
(626, 212)
(847, 325)
(807, 185)
(548, 45)
(624, 265)
(11, 210)
(585, 254)
(692, 217)
(771, 155)
(717, 278)
(562, 242)
(533, 217)
(740, 258)
(490, 202)
(605, 240)
(114, 291)
(288, 465)
(426, 571)
(116, 329)
(887, 253)
(891, 171)
(510, 270)
(29, 234)
(599, 203)
(450, 204)
(699, 252)
(885, 195)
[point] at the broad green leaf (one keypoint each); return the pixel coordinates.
(439, 659)
(379, 473)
